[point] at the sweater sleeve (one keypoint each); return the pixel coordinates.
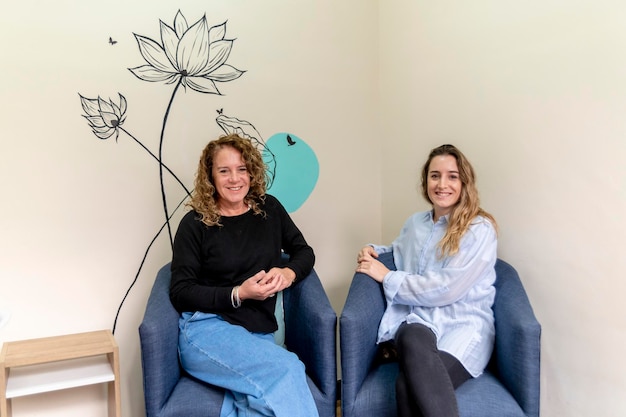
(446, 285)
(301, 255)
(186, 291)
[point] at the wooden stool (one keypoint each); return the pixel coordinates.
(53, 363)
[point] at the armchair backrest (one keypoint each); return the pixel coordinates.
(516, 353)
(300, 300)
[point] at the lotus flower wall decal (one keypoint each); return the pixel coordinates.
(195, 58)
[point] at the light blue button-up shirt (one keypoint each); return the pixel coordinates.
(452, 296)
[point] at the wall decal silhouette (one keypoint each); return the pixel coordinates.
(195, 57)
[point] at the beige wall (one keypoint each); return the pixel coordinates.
(77, 213)
(531, 91)
(534, 93)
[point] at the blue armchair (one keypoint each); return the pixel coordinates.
(310, 332)
(509, 387)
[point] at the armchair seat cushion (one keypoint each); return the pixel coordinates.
(492, 394)
(191, 397)
(486, 395)
(382, 381)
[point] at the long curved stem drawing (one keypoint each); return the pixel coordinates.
(143, 260)
(160, 157)
(158, 160)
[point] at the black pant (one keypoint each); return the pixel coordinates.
(428, 377)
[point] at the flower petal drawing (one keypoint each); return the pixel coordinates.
(122, 108)
(225, 73)
(105, 107)
(192, 54)
(218, 54)
(217, 33)
(154, 54)
(96, 121)
(180, 24)
(148, 73)
(170, 40)
(105, 133)
(90, 106)
(202, 85)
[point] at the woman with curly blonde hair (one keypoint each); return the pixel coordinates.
(204, 197)
(226, 269)
(438, 318)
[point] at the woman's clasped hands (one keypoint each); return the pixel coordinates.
(263, 285)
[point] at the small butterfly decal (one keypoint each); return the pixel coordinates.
(111, 41)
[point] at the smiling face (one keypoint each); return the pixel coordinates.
(444, 184)
(231, 180)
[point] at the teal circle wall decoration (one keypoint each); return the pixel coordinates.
(296, 172)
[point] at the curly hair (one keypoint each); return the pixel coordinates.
(468, 206)
(204, 196)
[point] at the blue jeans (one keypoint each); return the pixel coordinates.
(261, 378)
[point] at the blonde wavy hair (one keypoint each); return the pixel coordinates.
(468, 206)
(204, 196)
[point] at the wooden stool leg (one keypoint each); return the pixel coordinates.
(114, 389)
(114, 405)
(5, 407)
(5, 403)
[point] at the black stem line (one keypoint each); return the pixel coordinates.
(143, 260)
(157, 159)
(167, 112)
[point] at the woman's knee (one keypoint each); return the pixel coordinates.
(290, 362)
(415, 336)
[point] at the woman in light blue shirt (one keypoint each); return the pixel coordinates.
(439, 299)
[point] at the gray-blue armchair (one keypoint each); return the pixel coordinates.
(310, 332)
(508, 388)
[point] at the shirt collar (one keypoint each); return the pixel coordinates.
(442, 219)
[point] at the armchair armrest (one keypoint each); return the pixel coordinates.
(159, 344)
(518, 340)
(358, 327)
(310, 331)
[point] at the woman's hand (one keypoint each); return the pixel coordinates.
(285, 276)
(366, 251)
(266, 284)
(369, 265)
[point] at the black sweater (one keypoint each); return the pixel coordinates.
(209, 261)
